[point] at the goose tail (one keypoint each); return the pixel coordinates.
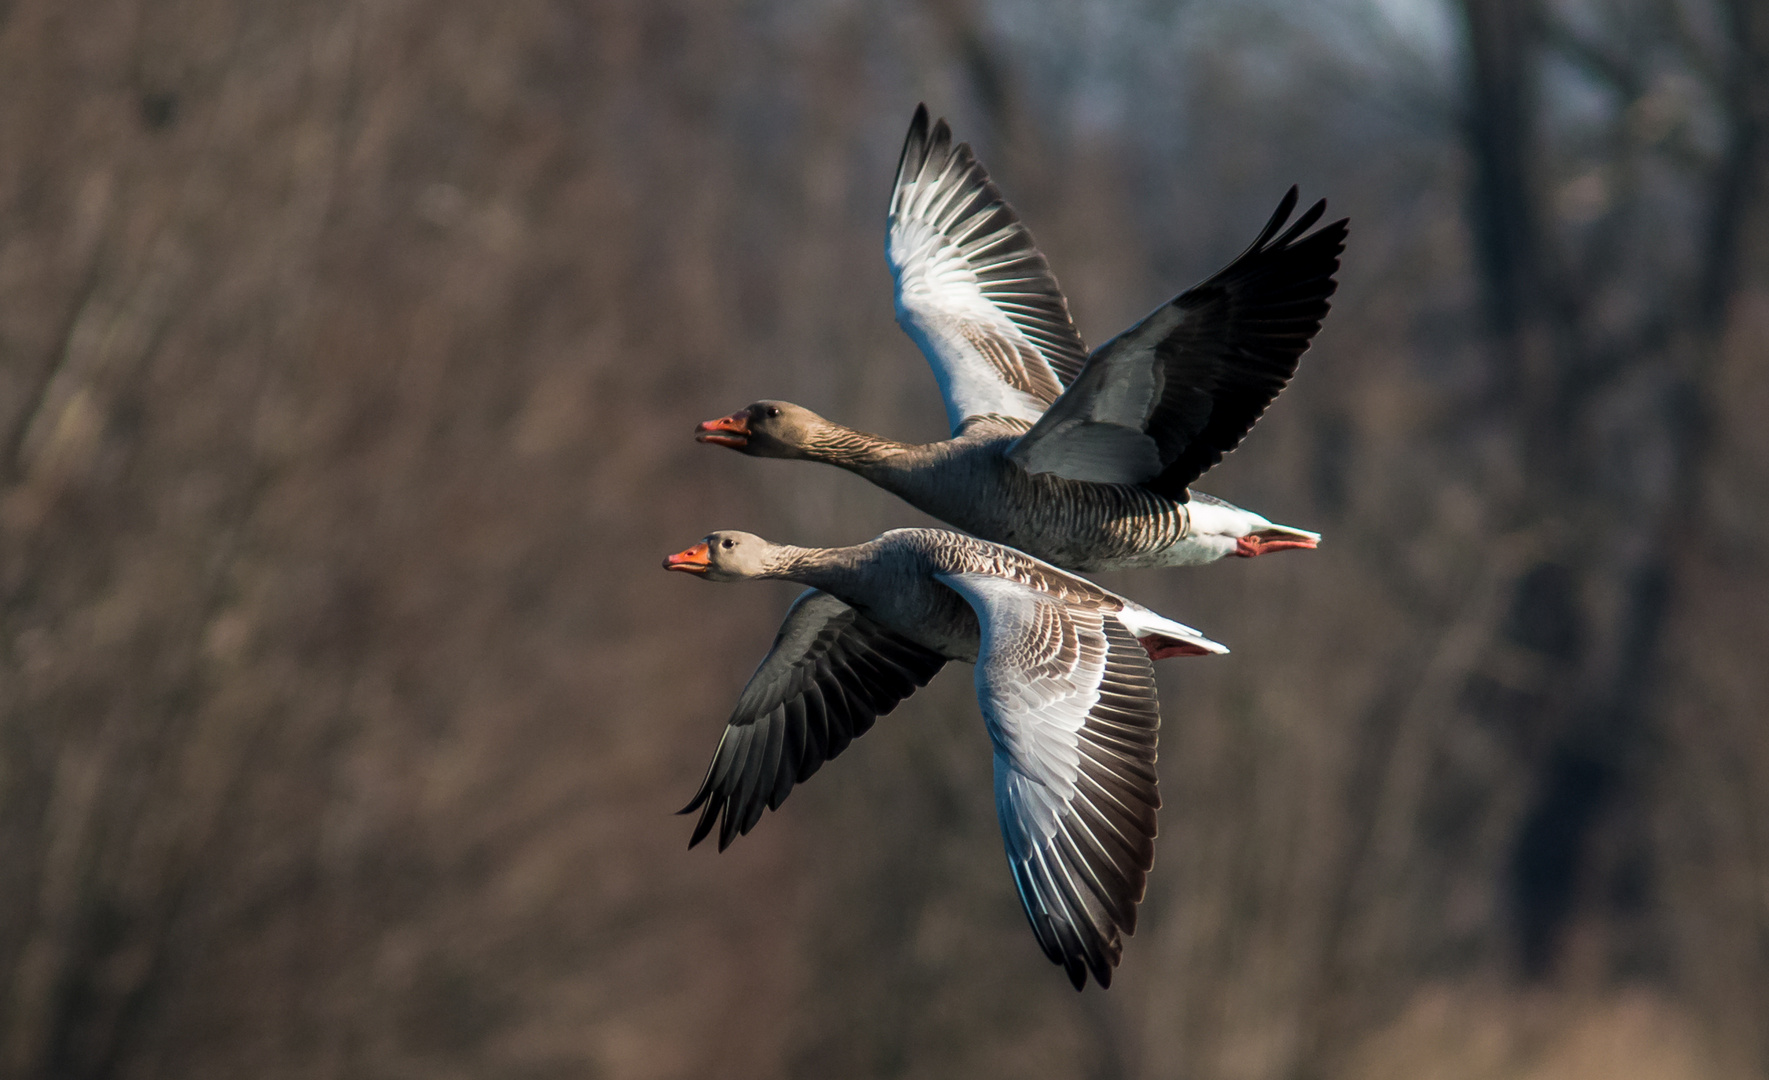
(1163, 637)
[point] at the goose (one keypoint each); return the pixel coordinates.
(1063, 678)
(1081, 460)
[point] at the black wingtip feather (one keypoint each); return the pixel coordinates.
(699, 797)
(914, 153)
(1278, 217)
(914, 144)
(1246, 330)
(706, 782)
(704, 825)
(939, 145)
(1309, 217)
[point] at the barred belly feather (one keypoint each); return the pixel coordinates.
(969, 482)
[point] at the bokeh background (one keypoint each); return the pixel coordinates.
(349, 355)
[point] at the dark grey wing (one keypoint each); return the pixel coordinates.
(831, 673)
(1164, 401)
(973, 291)
(1068, 694)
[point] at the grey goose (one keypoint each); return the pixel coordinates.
(1063, 679)
(1082, 460)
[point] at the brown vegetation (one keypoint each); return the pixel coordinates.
(349, 354)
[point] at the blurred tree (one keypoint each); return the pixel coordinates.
(1608, 217)
(348, 354)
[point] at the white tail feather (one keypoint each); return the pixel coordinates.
(1142, 622)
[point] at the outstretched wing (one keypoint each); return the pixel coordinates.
(1165, 400)
(831, 673)
(972, 288)
(1069, 698)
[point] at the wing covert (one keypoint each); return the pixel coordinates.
(1164, 401)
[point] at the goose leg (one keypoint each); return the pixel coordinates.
(1262, 542)
(1160, 648)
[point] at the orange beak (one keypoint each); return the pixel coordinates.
(696, 560)
(732, 431)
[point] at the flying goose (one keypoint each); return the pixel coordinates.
(1063, 678)
(1081, 460)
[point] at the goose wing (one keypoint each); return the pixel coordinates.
(831, 673)
(1166, 399)
(972, 288)
(1069, 698)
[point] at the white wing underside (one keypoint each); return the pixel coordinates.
(972, 290)
(972, 347)
(1068, 696)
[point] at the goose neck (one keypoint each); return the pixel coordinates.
(854, 450)
(829, 569)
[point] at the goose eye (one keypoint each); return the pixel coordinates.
(729, 543)
(773, 410)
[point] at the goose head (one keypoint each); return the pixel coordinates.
(776, 429)
(727, 555)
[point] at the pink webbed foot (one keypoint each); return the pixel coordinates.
(1160, 648)
(1263, 542)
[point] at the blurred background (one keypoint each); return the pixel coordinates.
(349, 357)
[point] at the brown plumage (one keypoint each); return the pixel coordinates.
(1082, 460)
(1063, 679)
